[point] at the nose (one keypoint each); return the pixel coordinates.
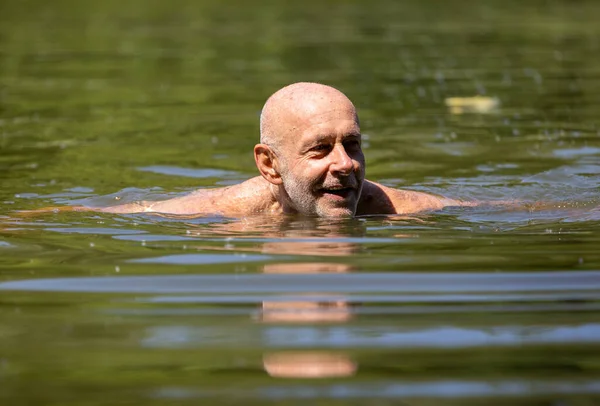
(342, 163)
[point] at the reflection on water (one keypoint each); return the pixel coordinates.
(143, 100)
(336, 309)
(308, 364)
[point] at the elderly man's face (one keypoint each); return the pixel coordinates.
(323, 166)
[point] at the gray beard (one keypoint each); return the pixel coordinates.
(301, 198)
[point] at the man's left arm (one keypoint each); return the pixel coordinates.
(379, 199)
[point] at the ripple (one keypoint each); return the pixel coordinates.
(347, 336)
(576, 152)
(569, 283)
(191, 173)
(379, 298)
(153, 237)
(201, 259)
(288, 240)
(94, 230)
(382, 389)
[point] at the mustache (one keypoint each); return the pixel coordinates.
(348, 183)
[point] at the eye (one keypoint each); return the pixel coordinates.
(321, 148)
(352, 144)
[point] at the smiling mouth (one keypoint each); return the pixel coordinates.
(338, 191)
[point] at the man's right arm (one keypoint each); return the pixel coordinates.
(122, 208)
(198, 202)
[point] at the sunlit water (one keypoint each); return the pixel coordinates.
(108, 102)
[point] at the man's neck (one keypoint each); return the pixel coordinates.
(281, 201)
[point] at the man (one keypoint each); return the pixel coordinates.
(310, 162)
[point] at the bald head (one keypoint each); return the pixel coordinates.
(288, 109)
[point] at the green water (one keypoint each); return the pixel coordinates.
(105, 102)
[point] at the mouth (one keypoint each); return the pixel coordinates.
(339, 191)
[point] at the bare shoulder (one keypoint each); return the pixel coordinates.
(379, 199)
(249, 197)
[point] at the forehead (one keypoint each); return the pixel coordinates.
(331, 123)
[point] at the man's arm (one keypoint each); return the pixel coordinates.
(193, 203)
(137, 207)
(249, 197)
(379, 199)
(189, 204)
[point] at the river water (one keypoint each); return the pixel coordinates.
(114, 101)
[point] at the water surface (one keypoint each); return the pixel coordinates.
(108, 102)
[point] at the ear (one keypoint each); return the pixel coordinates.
(266, 162)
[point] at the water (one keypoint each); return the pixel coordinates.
(108, 102)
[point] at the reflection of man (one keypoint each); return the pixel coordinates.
(309, 364)
(316, 306)
(308, 308)
(311, 307)
(310, 161)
